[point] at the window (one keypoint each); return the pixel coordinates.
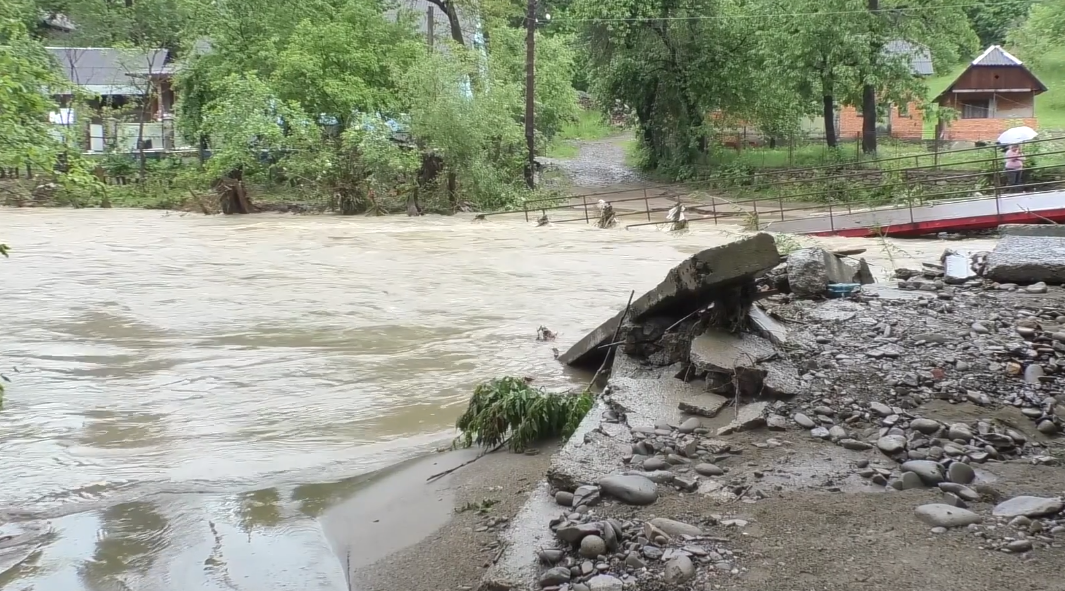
(904, 110)
(976, 109)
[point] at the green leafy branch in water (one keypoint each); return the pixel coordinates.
(4, 249)
(509, 410)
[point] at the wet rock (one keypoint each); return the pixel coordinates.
(549, 556)
(1025, 259)
(1028, 507)
(630, 489)
(1018, 546)
(605, 583)
(586, 495)
(690, 425)
(855, 445)
(554, 576)
(709, 470)
(926, 426)
(1033, 373)
(749, 417)
(930, 473)
(776, 423)
(675, 528)
(592, 546)
(837, 433)
(891, 444)
(1039, 287)
(819, 432)
(942, 515)
(634, 561)
(575, 532)
(564, 498)
(880, 409)
(679, 570)
(960, 473)
(1047, 427)
(962, 492)
(959, 431)
(804, 421)
(910, 481)
(651, 464)
(811, 270)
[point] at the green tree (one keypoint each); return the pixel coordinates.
(992, 20)
(1042, 31)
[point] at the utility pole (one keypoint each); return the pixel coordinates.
(530, 88)
(429, 22)
(869, 110)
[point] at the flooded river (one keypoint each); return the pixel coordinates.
(189, 395)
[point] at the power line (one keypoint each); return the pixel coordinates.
(763, 15)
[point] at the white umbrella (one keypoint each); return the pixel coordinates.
(1017, 135)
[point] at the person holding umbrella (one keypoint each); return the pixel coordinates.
(1013, 138)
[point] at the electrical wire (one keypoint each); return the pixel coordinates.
(762, 15)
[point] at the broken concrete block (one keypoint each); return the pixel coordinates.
(722, 352)
(810, 270)
(1027, 259)
(707, 405)
(749, 417)
(865, 274)
(1045, 230)
(687, 286)
(957, 267)
(768, 327)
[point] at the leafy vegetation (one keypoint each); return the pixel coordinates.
(510, 411)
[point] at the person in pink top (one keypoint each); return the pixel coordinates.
(1014, 165)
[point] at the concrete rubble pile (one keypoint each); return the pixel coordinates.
(735, 377)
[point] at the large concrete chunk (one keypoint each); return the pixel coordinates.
(722, 352)
(689, 284)
(810, 270)
(1048, 230)
(1027, 259)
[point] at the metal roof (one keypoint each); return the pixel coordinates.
(107, 70)
(920, 58)
(996, 56)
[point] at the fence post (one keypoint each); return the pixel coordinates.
(998, 192)
(935, 153)
(757, 224)
(713, 207)
(647, 205)
(831, 220)
(525, 208)
(781, 198)
(584, 199)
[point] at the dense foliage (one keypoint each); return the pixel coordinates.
(340, 101)
(510, 411)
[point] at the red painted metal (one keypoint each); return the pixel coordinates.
(986, 222)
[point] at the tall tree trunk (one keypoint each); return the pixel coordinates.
(868, 119)
(830, 120)
(448, 6)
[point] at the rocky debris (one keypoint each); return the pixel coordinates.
(631, 554)
(812, 270)
(1027, 259)
(749, 417)
(687, 287)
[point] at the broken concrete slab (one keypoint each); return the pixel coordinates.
(723, 352)
(767, 326)
(957, 267)
(749, 417)
(687, 286)
(1027, 259)
(1045, 230)
(811, 270)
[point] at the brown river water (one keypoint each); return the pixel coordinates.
(191, 395)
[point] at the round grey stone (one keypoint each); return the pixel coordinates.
(926, 426)
(605, 583)
(564, 498)
(804, 421)
(891, 444)
(931, 473)
(940, 515)
(592, 546)
(676, 528)
(1028, 507)
(651, 464)
(554, 576)
(960, 473)
(709, 470)
(679, 570)
(910, 481)
(690, 425)
(630, 489)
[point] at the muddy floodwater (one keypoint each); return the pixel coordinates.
(190, 395)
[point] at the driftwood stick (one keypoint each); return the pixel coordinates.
(617, 331)
(689, 315)
(468, 462)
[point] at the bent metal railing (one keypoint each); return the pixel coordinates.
(761, 210)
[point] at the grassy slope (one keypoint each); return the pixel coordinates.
(590, 125)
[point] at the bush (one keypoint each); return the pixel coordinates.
(509, 410)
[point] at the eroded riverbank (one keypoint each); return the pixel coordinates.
(194, 389)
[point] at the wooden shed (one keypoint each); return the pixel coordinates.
(994, 92)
